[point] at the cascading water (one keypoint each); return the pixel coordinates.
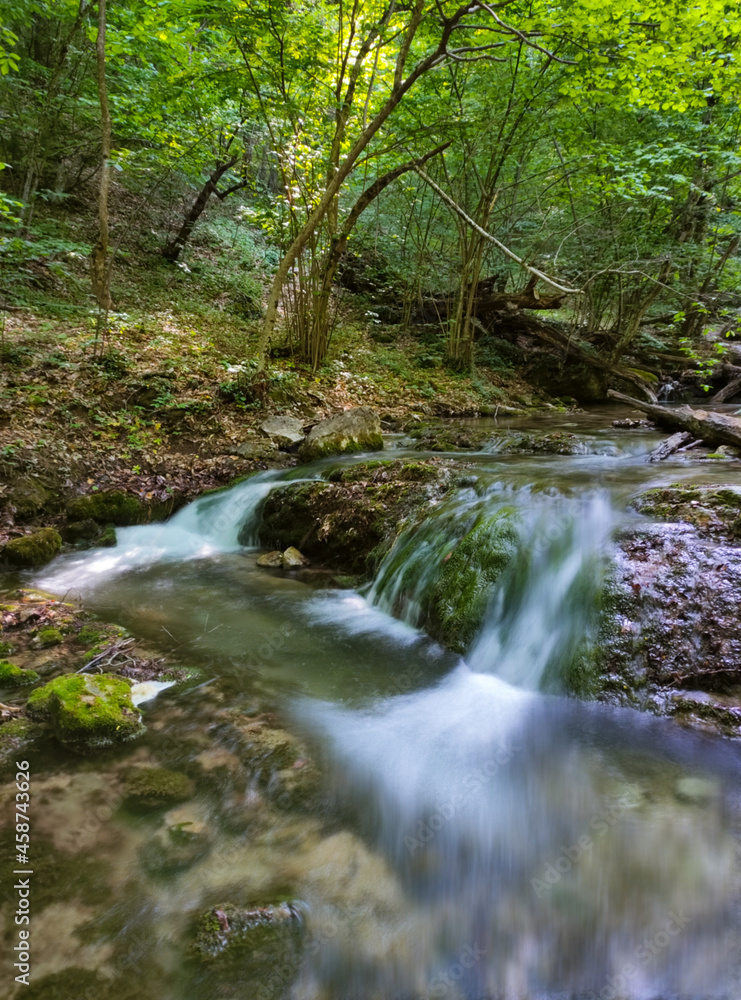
(500, 841)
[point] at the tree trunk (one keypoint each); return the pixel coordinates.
(713, 428)
(318, 338)
(173, 249)
(100, 274)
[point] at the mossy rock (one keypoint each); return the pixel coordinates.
(6, 649)
(87, 713)
(16, 735)
(29, 498)
(348, 523)
(117, 508)
(33, 550)
(708, 507)
(47, 637)
(156, 788)
(269, 931)
(14, 676)
(461, 593)
(354, 430)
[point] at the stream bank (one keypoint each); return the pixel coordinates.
(335, 780)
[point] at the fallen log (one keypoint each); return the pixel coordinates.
(713, 428)
(728, 391)
(668, 447)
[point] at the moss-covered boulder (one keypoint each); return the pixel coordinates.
(354, 430)
(349, 522)
(14, 676)
(29, 498)
(87, 713)
(465, 583)
(712, 509)
(268, 931)
(156, 788)
(118, 508)
(34, 550)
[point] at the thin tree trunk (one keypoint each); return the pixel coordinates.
(99, 261)
(173, 249)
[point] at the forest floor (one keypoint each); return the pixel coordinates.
(163, 405)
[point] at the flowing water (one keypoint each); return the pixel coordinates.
(478, 835)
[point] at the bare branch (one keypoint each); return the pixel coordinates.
(492, 239)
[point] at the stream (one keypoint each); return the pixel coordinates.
(475, 834)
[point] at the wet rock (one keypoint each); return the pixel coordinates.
(555, 443)
(87, 713)
(280, 763)
(118, 508)
(696, 791)
(285, 432)
(81, 533)
(14, 676)
(29, 498)
(354, 430)
(350, 522)
(670, 637)
(34, 550)
(713, 509)
(463, 589)
(185, 841)
(271, 560)
(15, 736)
(47, 637)
(267, 931)
(156, 788)
(293, 559)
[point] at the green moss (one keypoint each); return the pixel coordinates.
(110, 507)
(312, 451)
(15, 736)
(87, 713)
(108, 537)
(270, 932)
(33, 550)
(156, 787)
(461, 593)
(6, 649)
(46, 637)
(14, 676)
(28, 497)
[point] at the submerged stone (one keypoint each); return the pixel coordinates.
(156, 788)
(33, 550)
(87, 713)
(227, 927)
(354, 430)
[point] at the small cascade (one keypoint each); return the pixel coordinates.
(219, 523)
(542, 614)
(544, 603)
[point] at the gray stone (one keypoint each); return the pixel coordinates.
(255, 449)
(271, 560)
(354, 430)
(284, 432)
(293, 559)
